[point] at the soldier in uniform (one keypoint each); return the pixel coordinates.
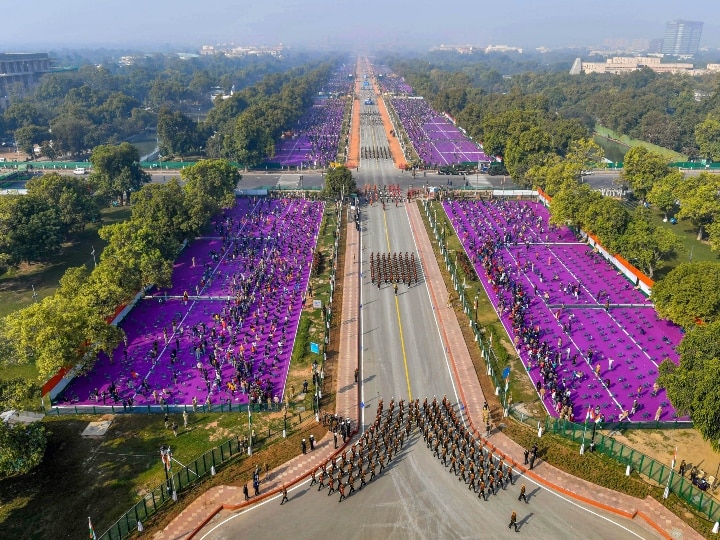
(522, 496)
(513, 521)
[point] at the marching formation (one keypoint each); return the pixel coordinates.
(485, 473)
(393, 268)
(371, 454)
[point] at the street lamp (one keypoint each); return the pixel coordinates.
(250, 428)
(166, 457)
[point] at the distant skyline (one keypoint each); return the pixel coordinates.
(341, 24)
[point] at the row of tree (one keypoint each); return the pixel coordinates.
(674, 111)
(73, 111)
(34, 227)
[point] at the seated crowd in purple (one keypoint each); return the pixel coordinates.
(435, 138)
(314, 141)
(224, 332)
(590, 341)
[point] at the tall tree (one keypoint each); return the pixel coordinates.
(70, 195)
(607, 218)
(209, 187)
(339, 181)
(647, 245)
(161, 209)
(178, 133)
(22, 448)
(707, 136)
(694, 386)
(642, 168)
(58, 332)
(662, 195)
(699, 198)
(117, 170)
(30, 229)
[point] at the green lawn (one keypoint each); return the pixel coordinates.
(670, 154)
(104, 477)
(692, 249)
(16, 285)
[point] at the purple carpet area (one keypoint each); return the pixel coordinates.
(231, 337)
(590, 342)
(314, 140)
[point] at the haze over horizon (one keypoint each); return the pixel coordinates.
(341, 24)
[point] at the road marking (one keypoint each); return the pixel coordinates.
(402, 345)
(397, 309)
(443, 345)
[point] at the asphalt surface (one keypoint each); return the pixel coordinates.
(402, 356)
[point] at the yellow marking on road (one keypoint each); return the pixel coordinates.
(397, 310)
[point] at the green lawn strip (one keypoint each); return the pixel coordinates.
(521, 388)
(565, 455)
(609, 133)
(16, 284)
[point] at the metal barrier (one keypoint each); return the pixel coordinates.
(176, 481)
(59, 410)
(643, 464)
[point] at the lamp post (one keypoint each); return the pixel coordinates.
(166, 457)
(250, 428)
(477, 293)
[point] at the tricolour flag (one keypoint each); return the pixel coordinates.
(91, 534)
(587, 414)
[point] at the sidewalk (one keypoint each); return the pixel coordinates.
(654, 515)
(220, 502)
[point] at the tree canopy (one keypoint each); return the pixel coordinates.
(694, 386)
(339, 181)
(689, 294)
(642, 169)
(22, 448)
(117, 170)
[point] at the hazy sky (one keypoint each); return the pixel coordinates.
(361, 25)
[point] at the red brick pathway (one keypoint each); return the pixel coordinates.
(654, 515)
(221, 501)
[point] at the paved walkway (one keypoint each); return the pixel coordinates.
(222, 501)
(654, 515)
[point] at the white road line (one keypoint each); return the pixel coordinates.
(437, 324)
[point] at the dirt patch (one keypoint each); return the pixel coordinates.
(660, 445)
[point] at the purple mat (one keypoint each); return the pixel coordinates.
(588, 339)
(231, 339)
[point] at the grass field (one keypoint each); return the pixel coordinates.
(692, 248)
(670, 154)
(16, 285)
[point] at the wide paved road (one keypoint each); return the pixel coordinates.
(415, 497)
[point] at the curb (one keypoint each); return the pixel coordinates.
(263, 496)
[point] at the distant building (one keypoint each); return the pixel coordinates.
(239, 51)
(19, 72)
(471, 49)
(682, 38)
(655, 46)
(625, 64)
